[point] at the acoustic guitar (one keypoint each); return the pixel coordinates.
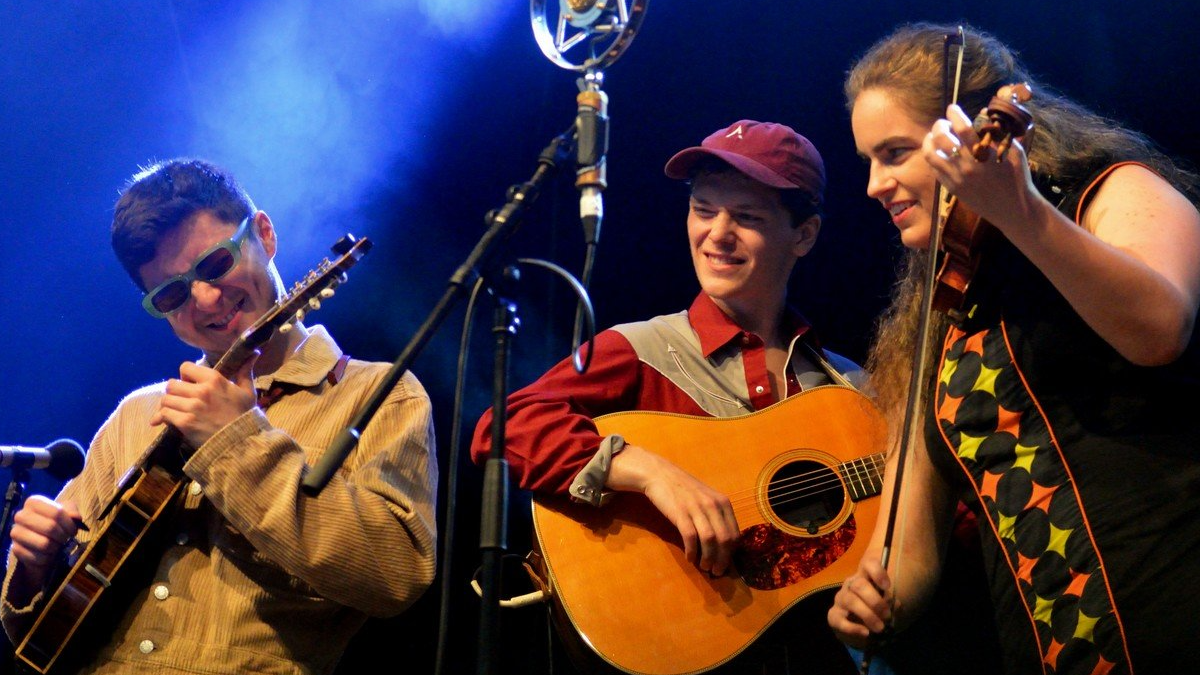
(92, 590)
(802, 476)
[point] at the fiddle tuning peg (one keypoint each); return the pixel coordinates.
(326, 293)
(285, 328)
(315, 303)
(343, 245)
(1021, 93)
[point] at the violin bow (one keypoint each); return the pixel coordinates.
(953, 42)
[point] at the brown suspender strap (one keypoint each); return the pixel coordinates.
(280, 389)
(338, 370)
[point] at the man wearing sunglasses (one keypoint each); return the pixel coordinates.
(256, 577)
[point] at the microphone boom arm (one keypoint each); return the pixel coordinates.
(502, 224)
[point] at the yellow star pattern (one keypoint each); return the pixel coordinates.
(948, 368)
(986, 380)
(1007, 526)
(1042, 609)
(1058, 541)
(1024, 457)
(1085, 627)
(968, 445)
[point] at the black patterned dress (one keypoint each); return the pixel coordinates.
(1084, 470)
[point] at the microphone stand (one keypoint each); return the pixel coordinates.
(12, 498)
(493, 517)
(502, 224)
(494, 522)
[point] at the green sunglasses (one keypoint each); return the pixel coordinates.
(209, 266)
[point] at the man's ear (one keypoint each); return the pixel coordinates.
(264, 229)
(806, 235)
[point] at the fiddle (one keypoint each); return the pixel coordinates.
(964, 235)
(958, 237)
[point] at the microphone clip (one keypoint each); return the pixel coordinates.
(591, 148)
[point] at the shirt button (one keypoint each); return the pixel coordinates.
(181, 538)
(161, 592)
(759, 389)
(146, 646)
(195, 488)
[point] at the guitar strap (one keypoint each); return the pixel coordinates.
(278, 390)
(844, 372)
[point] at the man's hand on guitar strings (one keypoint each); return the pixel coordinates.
(703, 516)
(39, 532)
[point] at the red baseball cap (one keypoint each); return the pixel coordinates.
(772, 154)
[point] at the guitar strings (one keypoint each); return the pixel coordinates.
(864, 471)
(852, 470)
(828, 481)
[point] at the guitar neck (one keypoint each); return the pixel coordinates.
(863, 476)
(235, 358)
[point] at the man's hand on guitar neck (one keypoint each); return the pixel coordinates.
(202, 401)
(39, 532)
(703, 516)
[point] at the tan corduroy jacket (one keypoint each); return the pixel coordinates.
(260, 577)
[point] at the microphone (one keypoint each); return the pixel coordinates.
(591, 146)
(62, 459)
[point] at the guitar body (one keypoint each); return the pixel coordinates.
(101, 580)
(801, 475)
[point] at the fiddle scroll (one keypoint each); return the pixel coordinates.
(964, 235)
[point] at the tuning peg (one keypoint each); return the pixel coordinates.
(326, 293)
(343, 245)
(315, 303)
(285, 328)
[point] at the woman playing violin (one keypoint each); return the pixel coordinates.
(1061, 405)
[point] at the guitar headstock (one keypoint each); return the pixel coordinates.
(305, 296)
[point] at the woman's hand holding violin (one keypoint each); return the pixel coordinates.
(1000, 192)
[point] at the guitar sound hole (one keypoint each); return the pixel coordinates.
(805, 494)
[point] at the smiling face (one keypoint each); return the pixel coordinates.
(217, 311)
(888, 135)
(743, 243)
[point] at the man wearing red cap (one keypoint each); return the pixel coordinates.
(756, 191)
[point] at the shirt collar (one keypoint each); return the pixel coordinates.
(715, 329)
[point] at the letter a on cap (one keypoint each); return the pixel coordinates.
(736, 132)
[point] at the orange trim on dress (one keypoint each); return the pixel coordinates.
(1074, 488)
(1097, 181)
(1033, 629)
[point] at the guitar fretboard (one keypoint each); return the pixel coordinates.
(863, 476)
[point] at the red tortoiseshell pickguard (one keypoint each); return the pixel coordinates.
(770, 558)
